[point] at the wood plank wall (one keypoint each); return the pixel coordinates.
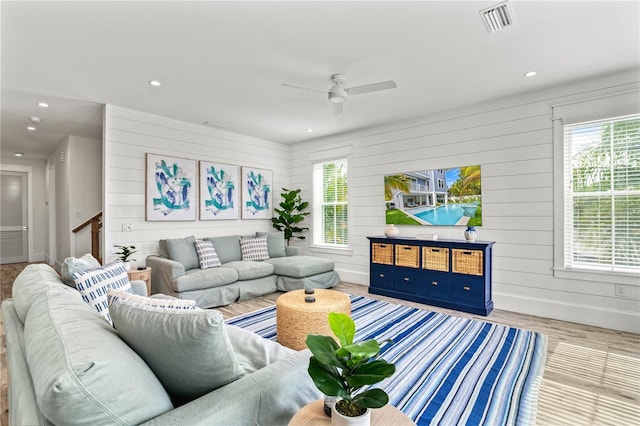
(512, 140)
(129, 135)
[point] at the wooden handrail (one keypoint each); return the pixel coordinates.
(87, 222)
(96, 225)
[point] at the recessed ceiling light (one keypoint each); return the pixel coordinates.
(154, 83)
(31, 128)
(530, 74)
(43, 105)
(19, 154)
(35, 119)
(309, 130)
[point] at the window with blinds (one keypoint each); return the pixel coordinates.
(330, 203)
(602, 194)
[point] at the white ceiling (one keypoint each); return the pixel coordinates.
(225, 62)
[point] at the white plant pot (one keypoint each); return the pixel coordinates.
(338, 419)
(127, 265)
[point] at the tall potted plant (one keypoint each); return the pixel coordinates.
(343, 370)
(124, 254)
(290, 214)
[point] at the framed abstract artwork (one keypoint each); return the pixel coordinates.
(257, 197)
(219, 188)
(170, 188)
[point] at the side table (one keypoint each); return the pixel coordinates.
(295, 318)
(141, 275)
(313, 415)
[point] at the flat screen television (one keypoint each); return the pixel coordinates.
(436, 197)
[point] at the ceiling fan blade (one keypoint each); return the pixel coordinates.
(304, 88)
(383, 85)
(337, 108)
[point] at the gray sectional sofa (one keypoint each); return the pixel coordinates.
(67, 365)
(176, 271)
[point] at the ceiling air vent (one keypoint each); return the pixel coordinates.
(498, 16)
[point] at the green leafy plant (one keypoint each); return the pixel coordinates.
(290, 214)
(125, 252)
(342, 370)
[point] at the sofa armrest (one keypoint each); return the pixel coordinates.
(271, 395)
(163, 272)
(293, 251)
(139, 287)
(23, 408)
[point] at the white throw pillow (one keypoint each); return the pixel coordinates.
(150, 303)
(93, 285)
(207, 255)
(254, 248)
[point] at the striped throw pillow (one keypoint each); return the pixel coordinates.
(207, 255)
(254, 248)
(150, 303)
(93, 285)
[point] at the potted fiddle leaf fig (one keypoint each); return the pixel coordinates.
(290, 214)
(125, 253)
(342, 370)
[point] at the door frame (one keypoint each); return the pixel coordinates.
(29, 171)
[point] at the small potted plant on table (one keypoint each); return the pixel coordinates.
(343, 370)
(125, 254)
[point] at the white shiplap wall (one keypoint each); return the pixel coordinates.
(512, 139)
(130, 134)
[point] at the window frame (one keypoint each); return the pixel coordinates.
(321, 158)
(592, 109)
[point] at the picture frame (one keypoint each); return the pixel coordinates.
(170, 193)
(219, 186)
(257, 194)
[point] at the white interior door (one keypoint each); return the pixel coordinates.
(14, 230)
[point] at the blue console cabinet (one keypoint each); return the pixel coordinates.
(453, 274)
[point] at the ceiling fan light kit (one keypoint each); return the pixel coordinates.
(338, 94)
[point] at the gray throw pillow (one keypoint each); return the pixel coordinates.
(71, 265)
(188, 350)
(183, 250)
(275, 243)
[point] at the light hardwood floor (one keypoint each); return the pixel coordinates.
(591, 377)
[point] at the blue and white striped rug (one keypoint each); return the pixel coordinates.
(449, 370)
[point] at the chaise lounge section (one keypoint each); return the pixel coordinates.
(178, 269)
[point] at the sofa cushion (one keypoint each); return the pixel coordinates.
(188, 350)
(72, 265)
(197, 279)
(249, 270)
(301, 266)
(93, 285)
(275, 243)
(227, 247)
(254, 248)
(82, 371)
(183, 250)
(253, 351)
(207, 256)
(31, 284)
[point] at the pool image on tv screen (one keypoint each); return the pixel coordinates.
(437, 197)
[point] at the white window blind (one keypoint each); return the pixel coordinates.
(330, 203)
(602, 194)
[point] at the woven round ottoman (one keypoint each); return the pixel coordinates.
(295, 318)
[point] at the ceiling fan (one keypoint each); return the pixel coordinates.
(338, 94)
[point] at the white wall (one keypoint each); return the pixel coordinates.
(78, 193)
(512, 140)
(130, 134)
(39, 228)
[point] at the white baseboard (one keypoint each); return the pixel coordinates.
(581, 314)
(353, 277)
(628, 321)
